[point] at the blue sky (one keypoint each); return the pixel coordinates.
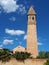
(13, 23)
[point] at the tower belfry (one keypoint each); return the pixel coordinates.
(31, 33)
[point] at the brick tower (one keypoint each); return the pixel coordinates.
(31, 33)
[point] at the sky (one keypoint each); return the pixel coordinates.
(13, 23)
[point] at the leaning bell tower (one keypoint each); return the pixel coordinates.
(31, 33)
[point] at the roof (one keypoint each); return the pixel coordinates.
(31, 11)
(19, 48)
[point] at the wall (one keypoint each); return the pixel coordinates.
(27, 62)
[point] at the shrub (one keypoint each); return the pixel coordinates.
(5, 55)
(21, 56)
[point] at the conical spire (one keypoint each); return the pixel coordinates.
(31, 11)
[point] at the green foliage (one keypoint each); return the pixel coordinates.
(5, 55)
(43, 55)
(22, 56)
(47, 55)
(46, 63)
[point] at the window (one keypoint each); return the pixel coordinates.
(33, 18)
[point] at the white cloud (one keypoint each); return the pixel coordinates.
(25, 37)
(22, 9)
(7, 41)
(11, 6)
(12, 18)
(39, 43)
(14, 32)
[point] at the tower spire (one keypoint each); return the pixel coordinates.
(31, 11)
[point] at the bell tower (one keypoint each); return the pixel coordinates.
(31, 33)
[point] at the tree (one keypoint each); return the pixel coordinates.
(41, 55)
(47, 55)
